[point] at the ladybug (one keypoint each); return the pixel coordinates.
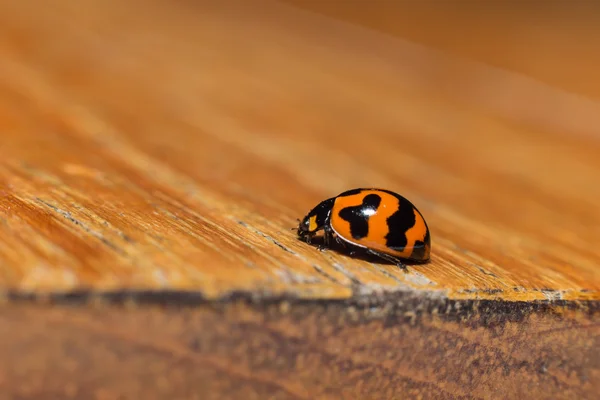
(377, 221)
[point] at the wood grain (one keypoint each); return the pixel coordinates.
(178, 150)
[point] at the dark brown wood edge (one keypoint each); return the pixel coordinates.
(387, 303)
(156, 345)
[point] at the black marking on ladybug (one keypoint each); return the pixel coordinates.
(322, 211)
(419, 248)
(402, 220)
(358, 216)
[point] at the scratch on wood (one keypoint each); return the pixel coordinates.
(339, 267)
(69, 217)
(386, 273)
(484, 271)
(269, 238)
(325, 274)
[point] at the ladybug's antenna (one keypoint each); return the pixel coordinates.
(296, 228)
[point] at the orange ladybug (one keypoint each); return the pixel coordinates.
(378, 221)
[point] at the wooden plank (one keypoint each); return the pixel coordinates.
(180, 149)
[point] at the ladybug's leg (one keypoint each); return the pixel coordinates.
(351, 249)
(328, 235)
(388, 258)
(308, 238)
(327, 238)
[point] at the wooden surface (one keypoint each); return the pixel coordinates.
(162, 151)
(178, 150)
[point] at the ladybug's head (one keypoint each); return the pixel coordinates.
(315, 220)
(308, 227)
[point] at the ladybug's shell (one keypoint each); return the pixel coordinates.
(382, 221)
